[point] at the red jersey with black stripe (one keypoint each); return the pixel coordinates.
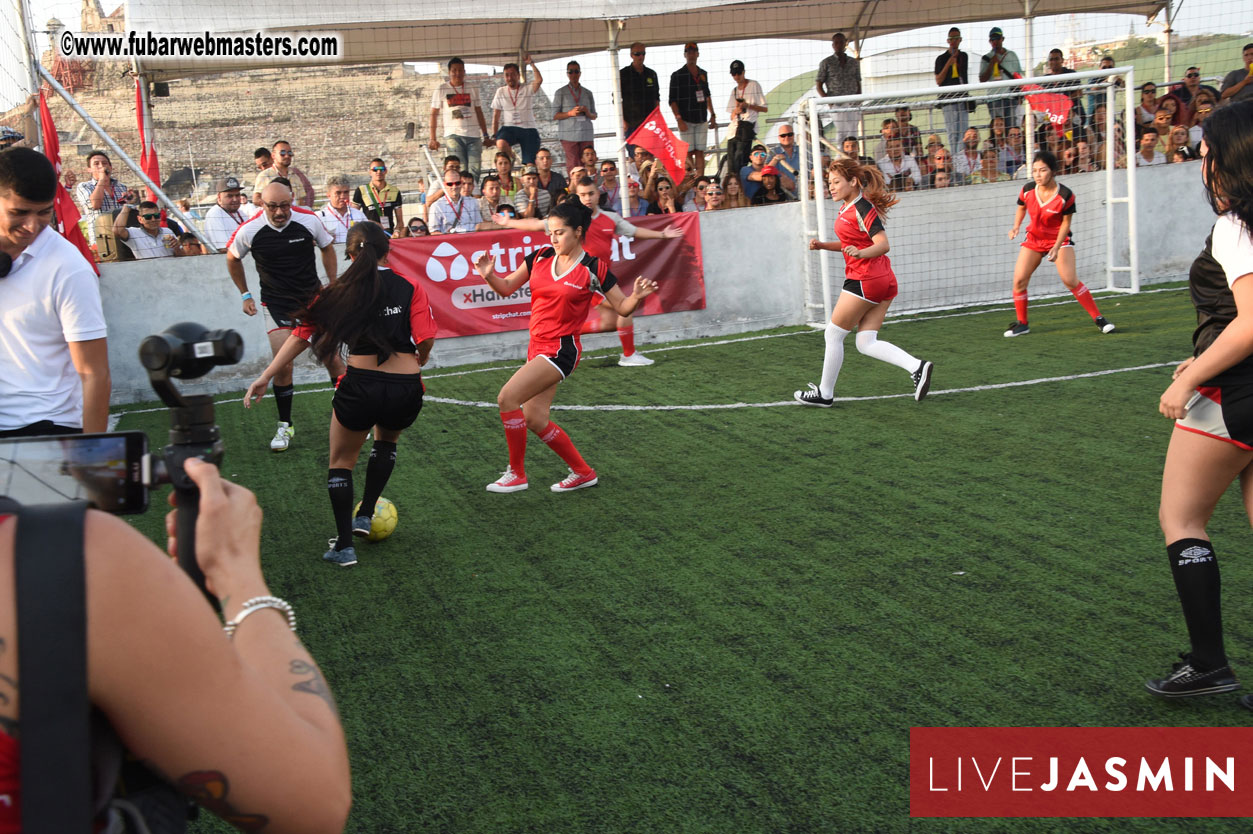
(560, 301)
(856, 225)
(606, 225)
(1046, 217)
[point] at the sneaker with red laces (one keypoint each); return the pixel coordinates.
(575, 481)
(509, 481)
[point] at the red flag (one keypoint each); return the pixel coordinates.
(66, 212)
(654, 137)
(147, 151)
(1055, 105)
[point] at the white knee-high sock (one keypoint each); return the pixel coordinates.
(832, 359)
(868, 342)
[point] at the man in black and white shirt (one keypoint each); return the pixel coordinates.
(224, 216)
(282, 240)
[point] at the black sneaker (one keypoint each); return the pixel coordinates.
(1103, 324)
(1186, 681)
(813, 397)
(922, 380)
(1017, 328)
(1246, 701)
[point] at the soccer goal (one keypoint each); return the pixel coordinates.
(958, 191)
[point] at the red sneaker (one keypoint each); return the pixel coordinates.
(575, 481)
(508, 482)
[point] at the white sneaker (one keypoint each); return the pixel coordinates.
(508, 482)
(282, 437)
(635, 360)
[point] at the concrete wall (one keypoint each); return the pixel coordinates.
(754, 277)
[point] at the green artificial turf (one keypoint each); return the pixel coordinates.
(736, 629)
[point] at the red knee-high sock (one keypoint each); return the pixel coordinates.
(626, 335)
(1020, 306)
(515, 436)
(1085, 299)
(561, 443)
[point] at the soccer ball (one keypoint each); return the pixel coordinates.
(383, 524)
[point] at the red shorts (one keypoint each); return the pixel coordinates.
(1045, 245)
(878, 289)
(562, 353)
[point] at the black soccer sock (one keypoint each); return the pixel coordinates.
(339, 487)
(282, 399)
(1194, 566)
(377, 471)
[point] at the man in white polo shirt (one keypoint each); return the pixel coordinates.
(337, 215)
(151, 239)
(224, 216)
(54, 356)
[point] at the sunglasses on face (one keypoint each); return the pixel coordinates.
(150, 216)
(786, 135)
(1193, 75)
(379, 168)
(759, 153)
(278, 206)
(714, 193)
(1151, 92)
(637, 54)
(415, 230)
(286, 153)
(453, 184)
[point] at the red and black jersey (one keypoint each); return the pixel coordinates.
(856, 225)
(605, 226)
(560, 303)
(1046, 217)
(404, 320)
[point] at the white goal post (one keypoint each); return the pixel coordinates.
(949, 246)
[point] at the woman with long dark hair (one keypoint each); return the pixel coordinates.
(566, 282)
(386, 323)
(1211, 401)
(869, 284)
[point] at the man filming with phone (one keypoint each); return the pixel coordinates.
(54, 356)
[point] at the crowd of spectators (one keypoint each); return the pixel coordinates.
(523, 183)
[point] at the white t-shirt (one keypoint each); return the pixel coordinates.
(1232, 247)
(1158, 159)
(516, 106)
(337, 225)
(752, 94)
(50, 298)
(220, 225)
(144, 245)
(457, 105)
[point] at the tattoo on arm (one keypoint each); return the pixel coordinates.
(210, 788)
(315, 685)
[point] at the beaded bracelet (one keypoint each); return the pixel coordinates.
(256, 604)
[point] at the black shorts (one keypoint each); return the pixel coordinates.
(365, 399)
(1223, 412)
(278, 316)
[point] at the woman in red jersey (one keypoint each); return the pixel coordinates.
(565, 281)
(869, 284)
(1050, 205)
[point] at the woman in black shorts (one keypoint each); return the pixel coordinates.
(1211, 400)
(387, 324)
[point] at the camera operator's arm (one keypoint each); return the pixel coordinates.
(235, 268)
(293, 347)
(246, 727)
(328, 262)
(91, 361)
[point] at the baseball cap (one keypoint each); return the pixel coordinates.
(226, 184)
(996, 33)
(769, 169)
(529, 169)
(737, 67)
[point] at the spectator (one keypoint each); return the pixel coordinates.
(942, 161)
(337, 215)
(417, 228)
(1097, 92)
(574, 109)
(591, 163)
(509, 184)
(1161, 123)
(102, 194)
(421, 189)
(750, 174)
(1149, 154)
(1170, 106)
(941, 179)
(54, 356)
(694, 196)
(1148, 105)
(662, 197)
(997, 138)
(282, 167)
(713, 198)
(989, 168)
(224, 216)
(890, 129)
(513, 113)
(1179, 155)
(639, 163)
(968, 159)
(549, 180)
(451, 163)
(532, 200)
(262, 159)
(462, 109)
(851, 148)
(188, 244)
(467, 184)
(490, 202)
(786, 156)
(150, 239)
(636, 206)
(950, 71)
(1068, 162)
(899, 170)
(1056, 66)
(379, 201)
(1188, 90)
(911, 137)
(770, 191)
(747, 100)
(453, 212)
(1084, 161)
(576, 174)
(641, 93)
(839, 74)
(690, 100)
(733, 195)
(1203, 105)
(1238, 85)
(1013, 155)
(998, 65)
(1179, 141)
(611, 189)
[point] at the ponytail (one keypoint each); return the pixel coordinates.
(345, 312)
(870, 179)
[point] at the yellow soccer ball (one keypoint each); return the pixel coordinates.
(383, 524)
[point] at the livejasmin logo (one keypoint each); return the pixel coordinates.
(448, 263)
(1023, 773)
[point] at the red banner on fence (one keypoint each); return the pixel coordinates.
(1054, 105)
(464, 305)
(1081, 772)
